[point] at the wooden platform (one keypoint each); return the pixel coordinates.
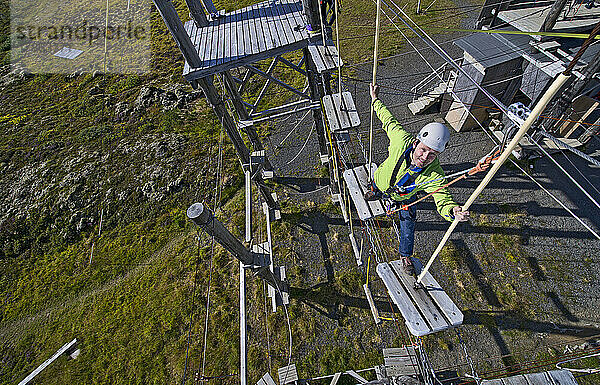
(356, 179)
(340, 111)
(426, 310)
(553, 377)
(400, 361)
(325, 57)
(531, 19)
(250, 34)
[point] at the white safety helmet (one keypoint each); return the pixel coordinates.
(435, 136)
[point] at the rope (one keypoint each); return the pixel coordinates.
(562, 144)
(564, 171)
(481, 166)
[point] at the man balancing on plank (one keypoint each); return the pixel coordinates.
(411, 166)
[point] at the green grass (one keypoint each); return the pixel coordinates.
(130, 308)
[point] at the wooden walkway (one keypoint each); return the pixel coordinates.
(247, 35)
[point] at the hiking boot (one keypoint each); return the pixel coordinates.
(407, 265)
(370, 196)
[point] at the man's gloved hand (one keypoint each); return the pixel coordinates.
(460, 214)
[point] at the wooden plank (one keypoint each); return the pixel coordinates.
(330, 56)
(246, 25)
(209, 45)
(214, 52)
(535, 379)
(50, 360)
(201, 42)
(438, 295)
(362, 176)
(299, 18)
(355, 249)
(253, 31)
(288, 8)
(270, 20)
(562, 377)
(423, 302)
(239, 34)
(335, 378)
(413, 319)
(254, 27)
(358, 377)
(400, 361)
(315, 54)
(268, 380)
(332, 118)
(287, 374)
(374, 311)
(281, 26)
(264, 26)
(342, 116)
(356, 194)
(351, 109)
(234, 35)
(227, 36)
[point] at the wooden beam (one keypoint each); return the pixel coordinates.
(203, 217)
(231, 128)
(197, 13)
(171, 18)
(275, 80)
(50, 360)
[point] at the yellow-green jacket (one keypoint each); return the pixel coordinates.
(400, 140)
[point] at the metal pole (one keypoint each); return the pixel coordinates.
(243, 340)
(203, 217)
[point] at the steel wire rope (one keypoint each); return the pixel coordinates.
(442, 53)
(567, 174)
(519, 166)
(579, 171)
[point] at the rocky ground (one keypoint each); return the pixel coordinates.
(523, 270)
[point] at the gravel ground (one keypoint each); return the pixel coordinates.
(540, 290)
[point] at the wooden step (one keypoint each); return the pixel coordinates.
(287, 374)
(326, 58)
(340, 111)
(356, 179)
(401, 361)
(425, 310)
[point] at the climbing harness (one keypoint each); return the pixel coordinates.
(482, 165)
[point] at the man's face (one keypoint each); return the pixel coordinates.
(423, 155)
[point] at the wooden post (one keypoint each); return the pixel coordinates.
(230, 127)
(315, 96)
(197, 13)
(175, 26)
(552, 16)
(232, 90)
(203, 217)
(248, 185)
